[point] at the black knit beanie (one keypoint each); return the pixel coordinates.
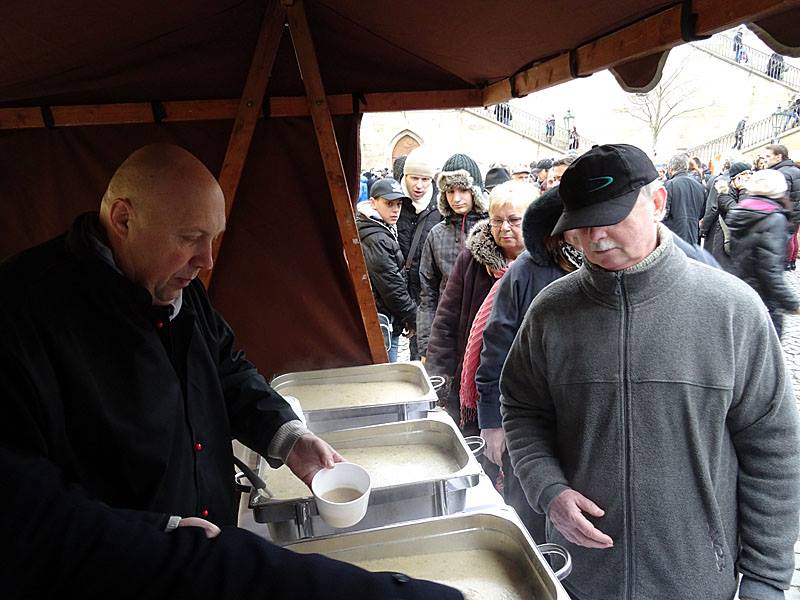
(462, 161)
(737, 168)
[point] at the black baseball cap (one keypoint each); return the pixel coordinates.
(602, 185)
(386, 188)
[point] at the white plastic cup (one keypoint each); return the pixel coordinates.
(342, 494)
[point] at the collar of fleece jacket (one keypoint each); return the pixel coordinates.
(463, 180)
(483, 248)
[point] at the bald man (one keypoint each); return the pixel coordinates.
(115, 366)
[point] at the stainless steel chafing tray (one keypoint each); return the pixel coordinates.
(290, 519)
(473, 541)
(341, 416)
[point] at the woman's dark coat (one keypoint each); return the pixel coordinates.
(758, 248)
(466, 289)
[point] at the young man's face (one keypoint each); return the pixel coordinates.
(389, 210)
(460, 200)
(417, 186)
(772, 158)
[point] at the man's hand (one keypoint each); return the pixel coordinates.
(566, 513)
(309, 455)
(495, 444)
(208, 527)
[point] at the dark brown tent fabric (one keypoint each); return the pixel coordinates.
(640, 76)
(281, 278)
(781, 32)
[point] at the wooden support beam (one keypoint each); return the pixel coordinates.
(248, 112)
(334, 171)
(648, 36)
(213, 110)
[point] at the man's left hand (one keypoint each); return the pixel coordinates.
(309, 455)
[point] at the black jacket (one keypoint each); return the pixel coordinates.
(60, 543)
(533, 270)
(759, 233)
(790, 171)
(686, 201)
(386, 273)
(407, 225)
(88, 383)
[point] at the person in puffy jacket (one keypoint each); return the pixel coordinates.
(377, 230)
(778, 158)
(726, 190)
(546, 258)
(759, 233)
(462, 203)
(686, 200)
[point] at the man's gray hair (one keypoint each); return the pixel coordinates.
(678, 163)
(651, 188)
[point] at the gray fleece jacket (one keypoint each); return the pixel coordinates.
(688, 442)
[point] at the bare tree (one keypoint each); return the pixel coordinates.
(667, 101)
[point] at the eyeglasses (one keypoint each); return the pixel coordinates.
(512, 221)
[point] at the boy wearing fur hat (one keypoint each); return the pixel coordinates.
(462, 204)
(377, 230)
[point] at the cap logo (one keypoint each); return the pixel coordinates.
(396, 188)
(607, 181)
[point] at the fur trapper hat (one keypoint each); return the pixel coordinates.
(462, 180)
(462, 161)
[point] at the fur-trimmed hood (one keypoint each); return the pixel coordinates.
(461, 179)
(483, 248)
(540, 219)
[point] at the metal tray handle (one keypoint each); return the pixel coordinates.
(437, 381)
(566, 569)
(476, 445)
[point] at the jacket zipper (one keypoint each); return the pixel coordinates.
(627, 522)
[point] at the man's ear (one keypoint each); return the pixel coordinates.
(660, 202)
(119, 216)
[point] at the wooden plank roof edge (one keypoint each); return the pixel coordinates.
(655, 33)
(27, 117)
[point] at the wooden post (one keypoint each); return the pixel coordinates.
(334, 172)
(249, 109)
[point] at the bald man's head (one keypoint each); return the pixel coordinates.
(161, 212)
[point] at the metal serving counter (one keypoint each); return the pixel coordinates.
(485, 554)
(342, 408)
(290, 512)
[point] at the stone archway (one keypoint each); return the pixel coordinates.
(404, 142)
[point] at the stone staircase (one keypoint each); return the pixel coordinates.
(756, 135)
(532, 127)
(758, 62)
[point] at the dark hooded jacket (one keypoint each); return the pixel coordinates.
(385, 266)
(138, 409)
(443, 244)
(528, 275)
(467, 287)
(686, 202)
(759, 233)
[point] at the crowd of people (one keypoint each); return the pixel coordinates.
(558, 299)
(633, 395)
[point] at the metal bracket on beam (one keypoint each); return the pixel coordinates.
(47, 117)
(573, 65)
(159, 112)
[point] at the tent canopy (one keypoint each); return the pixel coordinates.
(83, 85)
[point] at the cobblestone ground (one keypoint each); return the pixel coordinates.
(791, 347)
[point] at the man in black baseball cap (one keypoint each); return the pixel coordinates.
(621, 422)
(603, 188)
